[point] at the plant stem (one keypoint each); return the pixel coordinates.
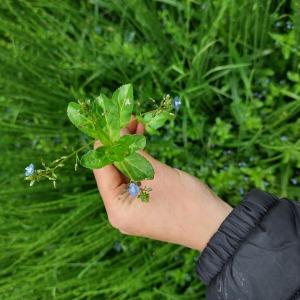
(72, 154)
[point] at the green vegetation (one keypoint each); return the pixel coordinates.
(103, 119)
(235, 66)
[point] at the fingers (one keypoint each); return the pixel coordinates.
(132, 124)
(140, 129)
(135, 127)
(124, 131)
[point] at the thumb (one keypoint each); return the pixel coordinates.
(108, 178)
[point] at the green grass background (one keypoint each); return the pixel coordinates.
(235, 65)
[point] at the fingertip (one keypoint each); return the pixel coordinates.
(124, 131)
(97, 144)
(140, 129)
(132, 124)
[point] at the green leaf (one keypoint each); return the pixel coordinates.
(124, 97)
(82, 122)
(136, 167)
(153, 121)
(132, 141)
(293, 76)
(108, 116)
(96, 159)
(85, 122)
(127, 145)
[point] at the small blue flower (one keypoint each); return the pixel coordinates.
(294, 181)
(289, 25)
(242, 164)
(29, 170)
(118, 246)
(176, 102)
(246, 178)
(133, 189)
(258, 95)
(227, 152)
(278, 24)
(282, 82)
(284, 138)
(266, 183)
(98, 29)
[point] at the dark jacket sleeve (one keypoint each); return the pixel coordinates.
(255, 254)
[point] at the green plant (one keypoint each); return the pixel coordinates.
(103, 119)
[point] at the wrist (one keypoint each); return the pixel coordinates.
(207, 213)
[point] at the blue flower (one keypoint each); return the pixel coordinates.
(118, 246)
(284, 138)
(176, 102)
(289, 25)
(98, 29)
(133, 189)
(242, 191)
(266, 183)
(278, 24)
(29, 170)
(242, 164)
(294, 181)
(246, 178)
(227, 152)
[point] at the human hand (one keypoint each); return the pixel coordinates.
(181, 209)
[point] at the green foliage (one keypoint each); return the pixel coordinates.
(117, 152)
(136, 167)
(154, 121)
(103, 119)
(79, 117)
(108, 116)
(124, 97)
(233, 64)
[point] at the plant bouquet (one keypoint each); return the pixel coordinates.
(102, 119)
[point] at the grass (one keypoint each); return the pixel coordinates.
(235, 64)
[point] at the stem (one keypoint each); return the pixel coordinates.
(72, 154)
(150, 111)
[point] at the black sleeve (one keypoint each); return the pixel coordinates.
(255, 254)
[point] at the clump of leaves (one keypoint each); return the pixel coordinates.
(102, 119)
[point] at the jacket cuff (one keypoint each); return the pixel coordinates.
(232, 232)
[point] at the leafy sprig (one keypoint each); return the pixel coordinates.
(102, 119)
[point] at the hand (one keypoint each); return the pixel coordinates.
(181, 209)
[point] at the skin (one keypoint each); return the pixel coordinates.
(181, 210)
